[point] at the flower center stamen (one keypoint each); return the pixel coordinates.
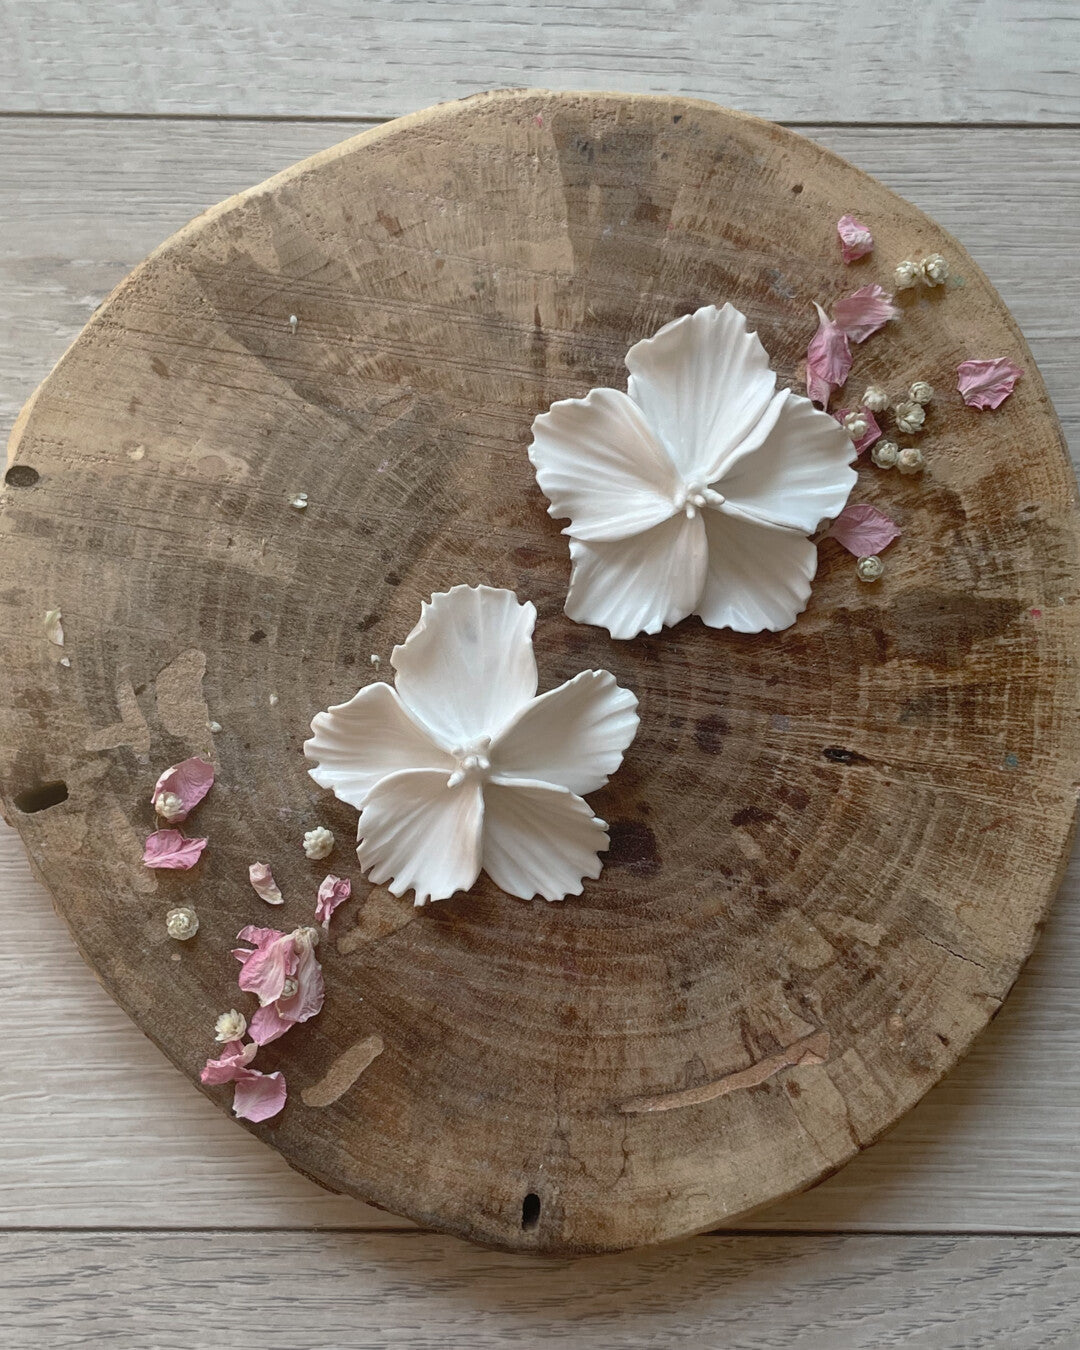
(692, 497)
(472, 761)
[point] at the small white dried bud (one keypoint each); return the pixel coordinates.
(911, 460)
(318, 843)
(856, 425)
(921, 392)
(65, 661)
(376, 659)
(289, 988)
(273, 700)
(294, 324)
(299, 501)
(168, 805)
(869, 569)
(215, 727)
(934, 270)
(910, 417)
(309, 934)
(875, 398)
(906, 275)
(230, 1026)
(182, 923)
(884, 454)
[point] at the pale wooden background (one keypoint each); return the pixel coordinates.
(132, 1214)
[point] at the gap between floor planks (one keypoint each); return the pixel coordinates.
(364, 119)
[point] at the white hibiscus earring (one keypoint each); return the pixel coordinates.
(696, 490)
(462, 768)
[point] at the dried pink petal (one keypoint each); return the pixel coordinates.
(169, 848)
(863, 530)
(258, 1096)
(987, 384)
(267, 1024)
(284, 972)
(311, 990)
(263, 883)
(234, 1059)
(856, 241)
(274, 1019)
(864, 312)
(333, 891)
(870, 436)
(180, 789)
(259, 936)
(828, 359)
(266, 967)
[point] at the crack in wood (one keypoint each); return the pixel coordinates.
(957, 956)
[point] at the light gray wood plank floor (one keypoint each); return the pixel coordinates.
(132, 1213)
(387, 1291)
(863, 60)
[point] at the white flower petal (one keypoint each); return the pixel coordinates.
(355, 744)
(702, 382)
(756, 436)
(758, 575)
(468, 665)
(419, 834)
(540, 840)
(598, 463)
(630, 586)
(574, 735)
(799, 474)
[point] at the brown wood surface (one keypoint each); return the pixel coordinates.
(832, 847)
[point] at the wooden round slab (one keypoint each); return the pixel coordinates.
(832, 848)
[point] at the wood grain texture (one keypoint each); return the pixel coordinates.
(81, 202)
(867, 60)
(417, 1291)
(106, 1132)
(957, 908)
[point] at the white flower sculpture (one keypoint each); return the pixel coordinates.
(462, 767)
(696, 490)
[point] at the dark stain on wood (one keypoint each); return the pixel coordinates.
(633, 848)
(752, 815)
(710, 731)
(940, 630)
